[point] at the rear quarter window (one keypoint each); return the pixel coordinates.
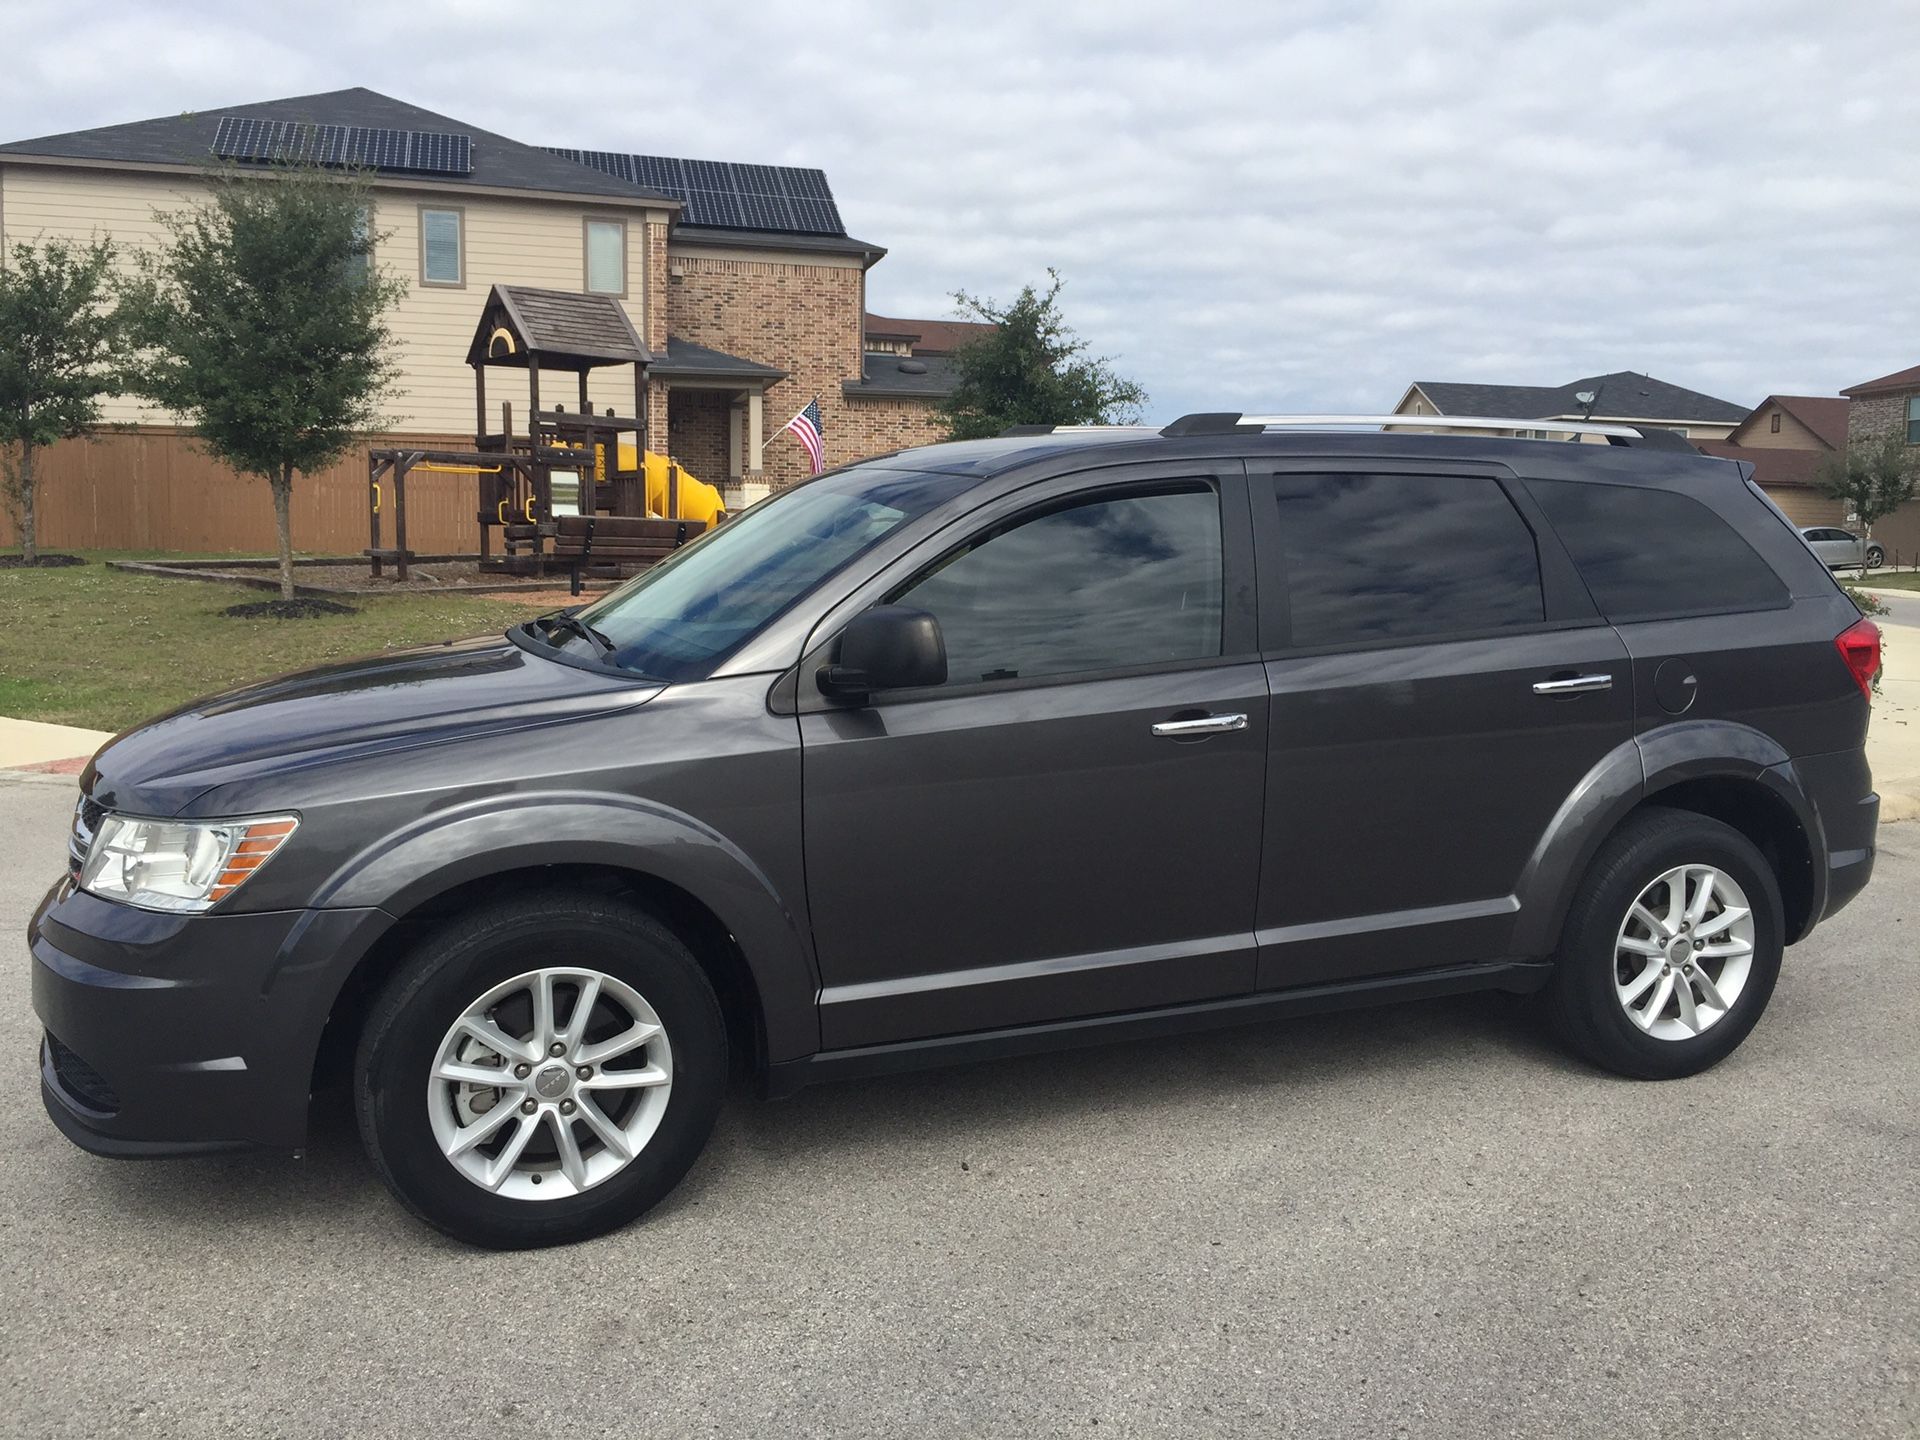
(1646, 553)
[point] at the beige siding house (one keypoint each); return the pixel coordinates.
(522, 240)
(1787, 438)
(741, 280)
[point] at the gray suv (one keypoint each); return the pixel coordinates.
(977, 750)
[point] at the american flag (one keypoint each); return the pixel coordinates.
(806, 428)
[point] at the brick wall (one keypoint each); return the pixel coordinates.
(656, 325)
(1869, 418)
(878, 426)
(697, 433)
(805, 318)
(1875, 415)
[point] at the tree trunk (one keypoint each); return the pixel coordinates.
(283, 527)
(29, 541)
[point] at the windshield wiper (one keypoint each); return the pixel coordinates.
(573, 625)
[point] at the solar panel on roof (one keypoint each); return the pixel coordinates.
(816, 217)
(804, 184)
(722, 194)
(428, 152)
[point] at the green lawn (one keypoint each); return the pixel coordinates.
(1891, 580)
(101, 648)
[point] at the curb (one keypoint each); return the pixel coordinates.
(1898, 805)
(68, 778)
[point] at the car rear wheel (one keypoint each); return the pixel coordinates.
(541, 1071)
(1876, 557)
(1671, 950)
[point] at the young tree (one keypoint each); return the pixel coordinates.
(261, 322)
(59, 342)
(1032, 370)
(1874, 477)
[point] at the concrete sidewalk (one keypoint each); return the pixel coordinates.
(55, 749)
(1893, 740)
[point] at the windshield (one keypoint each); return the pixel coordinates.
(680, 619)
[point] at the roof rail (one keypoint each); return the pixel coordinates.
(1231, 423)
(1013, 431)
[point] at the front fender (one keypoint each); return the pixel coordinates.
(502, 833)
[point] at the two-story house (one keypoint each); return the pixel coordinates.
(1787, 438)
(741, 280)
(1876, 409)
(1624, 397)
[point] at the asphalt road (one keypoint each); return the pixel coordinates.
(1417, 1221)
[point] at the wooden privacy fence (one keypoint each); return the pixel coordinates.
(155, 490)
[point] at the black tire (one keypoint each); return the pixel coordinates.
(1876, 557)
(458, 964)
(1581, 1000)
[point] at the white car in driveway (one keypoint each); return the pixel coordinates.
(1842, 549)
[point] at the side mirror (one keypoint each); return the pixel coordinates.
(890, 647)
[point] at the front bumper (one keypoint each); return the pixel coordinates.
(179, 1034)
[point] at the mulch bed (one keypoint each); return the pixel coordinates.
(305, 608)
(39, 562)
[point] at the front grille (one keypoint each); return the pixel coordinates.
(87, 815)
(81, 1080)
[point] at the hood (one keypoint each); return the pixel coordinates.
(402, 700)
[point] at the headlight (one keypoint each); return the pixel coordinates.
(179, 864)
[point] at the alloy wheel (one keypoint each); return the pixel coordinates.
(550, 1083)
(1684, 952)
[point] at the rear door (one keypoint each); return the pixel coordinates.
(1070, 826)
(1441, 685)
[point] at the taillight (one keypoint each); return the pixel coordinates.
(1859, 646)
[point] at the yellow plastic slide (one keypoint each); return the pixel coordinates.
(698, 500)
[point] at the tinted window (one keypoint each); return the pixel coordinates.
(1388, 557)
(1121, 580)
(1645, 553)
(684, 616)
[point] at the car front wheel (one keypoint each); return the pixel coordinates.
(1671, 950)
(1876, 557)
(541, 1071)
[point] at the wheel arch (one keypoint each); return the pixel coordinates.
(1722, 769)
(723, 906)
(1761, 812)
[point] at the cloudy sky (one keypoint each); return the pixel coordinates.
(1291, 206)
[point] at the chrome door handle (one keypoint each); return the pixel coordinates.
(1573, 685)
(1203, 725)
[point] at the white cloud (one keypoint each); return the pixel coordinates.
(1300, 205)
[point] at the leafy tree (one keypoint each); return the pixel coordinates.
(59, 344)
(261, 323)
(1031, 369)
(1874, 477)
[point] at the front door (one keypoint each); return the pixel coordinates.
(1441, 686)
(1070, 826)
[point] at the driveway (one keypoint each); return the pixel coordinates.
(1893, 740)
(1416, 1221)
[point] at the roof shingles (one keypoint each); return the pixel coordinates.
(1623, 395)
(187, 140)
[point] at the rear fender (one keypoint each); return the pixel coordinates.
(1633, 774)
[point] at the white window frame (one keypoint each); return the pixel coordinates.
(586, 255)
(459, 214)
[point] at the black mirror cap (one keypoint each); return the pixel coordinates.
(890, 647)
